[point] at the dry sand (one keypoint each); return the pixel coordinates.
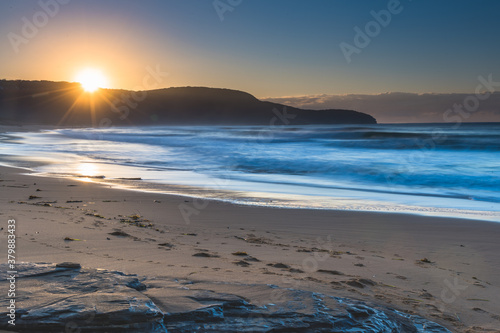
(367, 256)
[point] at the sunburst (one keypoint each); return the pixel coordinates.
(91, 79)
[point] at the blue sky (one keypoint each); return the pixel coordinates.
(268, 48)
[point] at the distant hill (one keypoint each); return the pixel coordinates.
(66, 104)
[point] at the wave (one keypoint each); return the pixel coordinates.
(398, 137)
(383, 160)
(386, 155)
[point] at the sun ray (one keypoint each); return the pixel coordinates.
(67, 113)
(104, 96)
(91, 79)
(93, 115)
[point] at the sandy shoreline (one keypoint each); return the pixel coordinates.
(323, 251)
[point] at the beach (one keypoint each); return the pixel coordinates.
(249, 166)
(445, 270)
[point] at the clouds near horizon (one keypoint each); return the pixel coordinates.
(398, 107)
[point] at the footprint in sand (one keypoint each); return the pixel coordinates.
(279, 265)
(241, 263)
(331, 272)
(479, 310)
(206, 255)
(360, 283)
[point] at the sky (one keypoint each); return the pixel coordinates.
(398, 107)
(270, 49)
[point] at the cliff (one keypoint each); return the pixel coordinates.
(66, 104)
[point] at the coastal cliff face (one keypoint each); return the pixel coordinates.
(66, 104)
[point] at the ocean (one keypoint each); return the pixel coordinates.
(430, 169)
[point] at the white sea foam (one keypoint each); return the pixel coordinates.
(421, 169)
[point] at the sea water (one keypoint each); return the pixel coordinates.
(433, 169)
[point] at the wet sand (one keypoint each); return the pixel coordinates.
(443, 269)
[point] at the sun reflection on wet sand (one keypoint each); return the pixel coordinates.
(87, 171)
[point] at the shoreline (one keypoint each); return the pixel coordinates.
(286, 195)
(385, 248)
(271, 203)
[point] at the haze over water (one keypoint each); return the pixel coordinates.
(432, 169)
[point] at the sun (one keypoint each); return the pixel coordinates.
(91, 79)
